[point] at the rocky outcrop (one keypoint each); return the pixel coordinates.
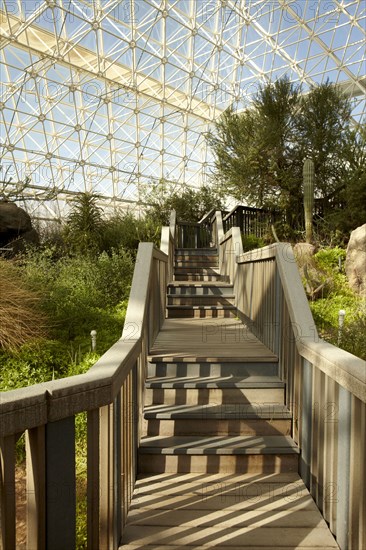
(356, 260)
(15, 227)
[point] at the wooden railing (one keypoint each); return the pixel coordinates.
(325, 385)
(110, 393)
(250, 220)
(197, 235)
(168, 236)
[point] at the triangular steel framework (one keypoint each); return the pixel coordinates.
(112, 96)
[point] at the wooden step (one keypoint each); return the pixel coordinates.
(221, 445)
(196, 270)
(245, 537)
(197, 263)
(273, 492)
(197, 258)
(203, 300)
(217, 454)
(217, 420)
(200, 277)
(216, 382)
(199, 311)
(195, 251)
(266, 511)
(200, 289)
(208, 340)
(241, 369)
(172, 392)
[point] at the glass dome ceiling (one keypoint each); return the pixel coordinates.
(110, 96)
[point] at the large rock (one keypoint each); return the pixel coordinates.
(15, 227)
(356, 260)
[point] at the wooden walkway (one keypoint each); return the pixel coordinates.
(268, 512)
(264, 510)
(217, 463)
(208, 339)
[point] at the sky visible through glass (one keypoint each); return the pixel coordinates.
(111, 96)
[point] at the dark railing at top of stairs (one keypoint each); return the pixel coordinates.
(196, 235)
(250, 220)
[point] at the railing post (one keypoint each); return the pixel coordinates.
(343, 468)
(60, 484)
(36, 488)
(219, 235)
(306, 421)
(107, 481)
(93, 481)
(7, 485)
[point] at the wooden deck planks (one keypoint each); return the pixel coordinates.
(208, 340)
(243, 511)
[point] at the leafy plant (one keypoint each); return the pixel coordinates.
(81, 293)
(83, 231)
(35, 362)
(190, 204)
(259, 152)
(334, 295)
(251, 242)
(125, 230)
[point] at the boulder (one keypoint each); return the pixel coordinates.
(15, 227)
(356, 260)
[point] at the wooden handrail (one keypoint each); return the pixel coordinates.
(111, 395)
(325, 385)
(341, 366)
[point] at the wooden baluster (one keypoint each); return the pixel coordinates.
(343, 467)
(36, 488)
(60, 484)
(107, 480)
(7, 485)
(93, 482)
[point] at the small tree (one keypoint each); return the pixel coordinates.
(190, 204)
(322, 132)
(259, 153)
(84, 225)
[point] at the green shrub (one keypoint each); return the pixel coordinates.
(336, 295)
(35, 362)
(251, 242)
(328, 258)
(80, 293)
(84, 225)
(127, 231)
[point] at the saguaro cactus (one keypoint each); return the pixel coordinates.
(308, 178)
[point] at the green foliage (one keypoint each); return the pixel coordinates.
(323, 128)
(190, 204)
(337, 294)
(308, 182)
(251, 242)
(127, 231)
(33, 363)
(83, 231)
(253, 149)
(259, 153)
(328, 258)
(81, 293)
(351, 212)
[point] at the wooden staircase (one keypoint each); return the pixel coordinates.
(217, 465)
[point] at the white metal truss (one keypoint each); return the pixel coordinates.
(112, 96)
